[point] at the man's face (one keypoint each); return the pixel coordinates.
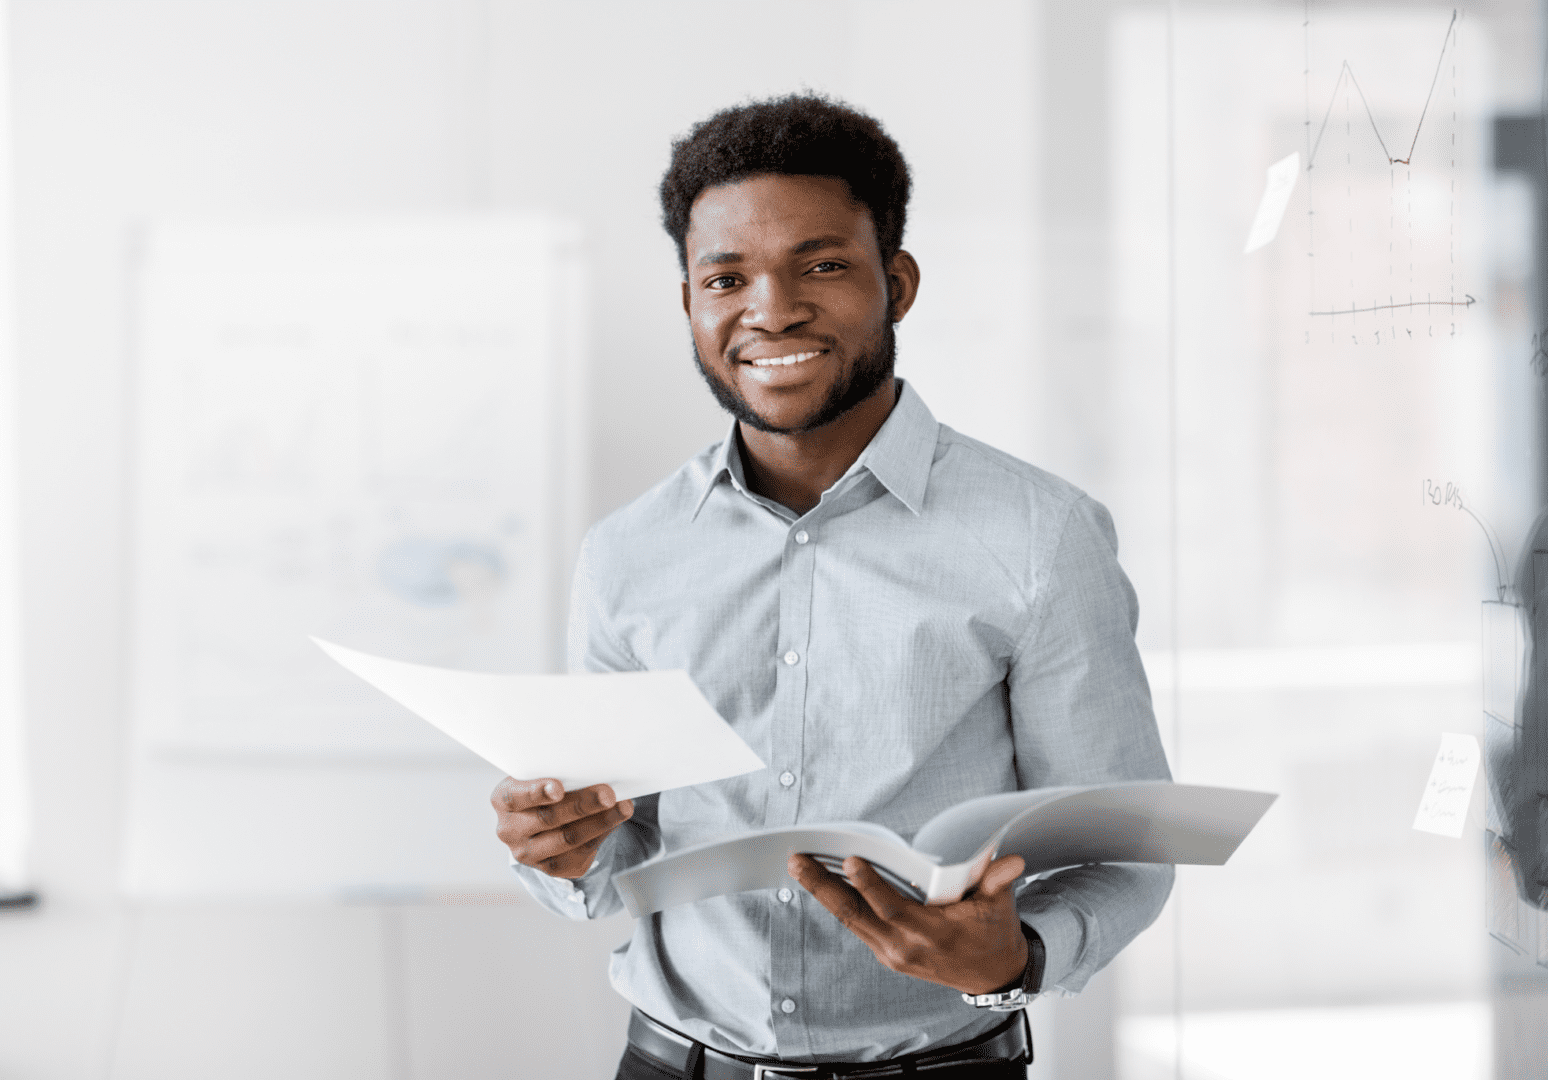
(787, 300)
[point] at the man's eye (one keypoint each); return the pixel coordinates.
(724, 282)
(828, 265)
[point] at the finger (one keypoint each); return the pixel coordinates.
(572, 864)
(518, 828)
(512, 794)
(883, 899)
(1002, 873)
(846, 905)
(581, 832)
(573, 807)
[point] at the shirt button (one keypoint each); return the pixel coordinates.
(786, 778)
(785, 896)
(801, 537)
(787, 1006)
(792, 657)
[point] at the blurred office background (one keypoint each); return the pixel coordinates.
(347, 316)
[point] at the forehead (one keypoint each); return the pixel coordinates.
(776, 210)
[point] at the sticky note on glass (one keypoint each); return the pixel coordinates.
(1443, 807)
(1276, 196)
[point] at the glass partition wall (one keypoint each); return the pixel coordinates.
(1324, 458)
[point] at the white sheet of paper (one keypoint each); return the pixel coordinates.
(1282, 176)
(640, 731)
(1443, 807)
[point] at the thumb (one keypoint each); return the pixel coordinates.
(1001, 874)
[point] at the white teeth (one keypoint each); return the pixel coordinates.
(786, 361)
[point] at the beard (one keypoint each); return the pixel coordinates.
(870, 371)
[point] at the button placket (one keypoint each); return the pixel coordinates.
(789, 719)
(792, 662)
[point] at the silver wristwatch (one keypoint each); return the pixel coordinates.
(1018, 997)
(1007, 1002)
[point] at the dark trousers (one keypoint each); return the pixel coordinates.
(636, 1066)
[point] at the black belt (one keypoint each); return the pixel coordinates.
(1010, 1041)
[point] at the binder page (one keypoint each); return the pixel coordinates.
(956, 835)
(641, 732)
(757, 861)
(1136, 821)
(1146, 821)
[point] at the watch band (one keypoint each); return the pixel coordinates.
(1019, 994)
(1037, 960)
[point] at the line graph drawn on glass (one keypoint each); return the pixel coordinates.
(1449, 496)
(1387, 256)
(1347, 72)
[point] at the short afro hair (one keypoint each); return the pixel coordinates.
(803, 134)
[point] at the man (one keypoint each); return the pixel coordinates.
(895, 617)
(1518, 753)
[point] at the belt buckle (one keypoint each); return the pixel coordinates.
(774, 1072)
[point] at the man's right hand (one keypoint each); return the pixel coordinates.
(555, 832)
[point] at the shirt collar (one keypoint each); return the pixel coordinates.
(899, 454)
(725, 464)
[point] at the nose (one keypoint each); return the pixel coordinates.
(775, 305)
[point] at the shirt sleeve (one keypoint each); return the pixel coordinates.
(1081, 714)
(592, 647)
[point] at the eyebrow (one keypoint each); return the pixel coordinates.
(816, 243)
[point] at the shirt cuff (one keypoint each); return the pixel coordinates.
(1064, 936)
(574, 898)
(560, 895)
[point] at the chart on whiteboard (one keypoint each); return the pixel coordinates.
(352, 431)
(1384, 120)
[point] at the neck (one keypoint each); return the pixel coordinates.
(795, 469)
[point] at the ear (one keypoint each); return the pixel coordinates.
(685, 298)
(903, 279)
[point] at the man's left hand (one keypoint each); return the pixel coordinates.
(974, 945)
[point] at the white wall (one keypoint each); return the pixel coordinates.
(134, 109)
(15, 803)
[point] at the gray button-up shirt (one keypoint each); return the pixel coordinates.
(947, 622)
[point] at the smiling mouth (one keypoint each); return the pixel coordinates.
(784, 361)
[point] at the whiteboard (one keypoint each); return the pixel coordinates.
(366, 431)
